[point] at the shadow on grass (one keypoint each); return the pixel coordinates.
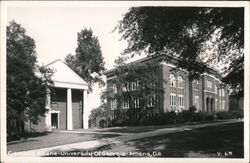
(100, 136)
(140, 129)
(214, 141)
(26, 136)
(54, 139)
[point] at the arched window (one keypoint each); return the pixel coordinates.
(172, 80)
(180, 82)
(180, 92)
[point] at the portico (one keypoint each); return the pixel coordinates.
(66, 79)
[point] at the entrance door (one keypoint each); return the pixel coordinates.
(54, 120)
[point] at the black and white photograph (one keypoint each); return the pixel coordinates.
(124, 81)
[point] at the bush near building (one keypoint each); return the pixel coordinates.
(190, 115)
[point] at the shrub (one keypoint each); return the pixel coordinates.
(209, 117)
(187, 115)
(237, 114)
(223, 115)
(172, 117)
(199, 116)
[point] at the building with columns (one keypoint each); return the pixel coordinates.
(179, 93)
(67, 108)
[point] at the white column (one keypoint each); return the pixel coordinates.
(48, 113)
(85, 115)
(69, 110)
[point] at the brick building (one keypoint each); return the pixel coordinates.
(179, 93)
(66, 109)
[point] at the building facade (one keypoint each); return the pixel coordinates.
(179, 93)
(67, 108)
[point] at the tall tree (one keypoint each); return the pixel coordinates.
(88, 61)
(135, 88)
(27, 83)
(199, 37)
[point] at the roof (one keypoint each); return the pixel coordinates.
(161, 56)
(65, 77)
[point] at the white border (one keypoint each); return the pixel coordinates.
(5, 4)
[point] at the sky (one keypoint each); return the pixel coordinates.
(54, 30)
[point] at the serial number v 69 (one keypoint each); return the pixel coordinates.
(227, 153)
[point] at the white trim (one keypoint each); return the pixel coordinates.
(69, 110)
(61, 84)
(212, 76)
(48, 114)
(84, 110)
(167, 64)
(113, 77)
(55, 111)
(67, 67)
(208, 91)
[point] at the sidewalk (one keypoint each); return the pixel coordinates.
(115, 141)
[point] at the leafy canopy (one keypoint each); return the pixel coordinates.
(88, 61)
(27, 83)
(198, 37)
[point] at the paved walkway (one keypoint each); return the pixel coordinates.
(116, 142)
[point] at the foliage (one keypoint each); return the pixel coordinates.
(87, 61)
(27, 83)
(198, 36)
(134, 81)
(171, 117)
(230, 115)
(98, 112)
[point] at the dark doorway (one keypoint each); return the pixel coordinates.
(212, 104)
(54, 120)
(208, 103)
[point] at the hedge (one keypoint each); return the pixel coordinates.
(190, 115)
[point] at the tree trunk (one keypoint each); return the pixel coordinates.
(22, 129)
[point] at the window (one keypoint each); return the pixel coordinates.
(196, 84)
(124, 88)
(215, 89)
(180, 92)
(151, 100)
(114, 89)
(223, 92)
(172, 100)
(172, 80)
(136, 101)
(133, 86)
(180, 82)
(209, 84)
(196, 101)
(181, 101)
(113, 104)
(216, 103)
(125, 105)
(223, 105)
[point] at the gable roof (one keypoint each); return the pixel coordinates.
(65, 77)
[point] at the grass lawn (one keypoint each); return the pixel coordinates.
(141, 129)
(215, 141)
(53, 139)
